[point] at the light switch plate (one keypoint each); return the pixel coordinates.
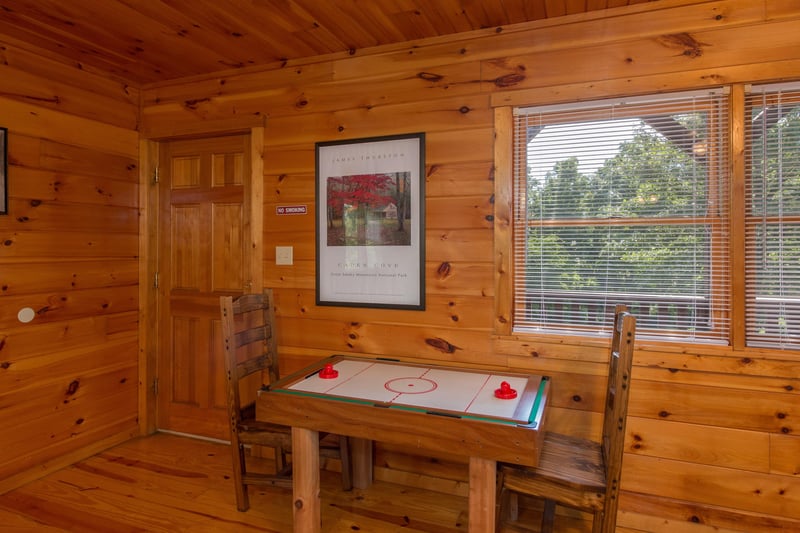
(284, 255)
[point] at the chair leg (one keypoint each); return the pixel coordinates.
(507, 505)
(347, 468)
(508, 500)
(598, 523)
(282, 467)
(238, 459)
(548, 516)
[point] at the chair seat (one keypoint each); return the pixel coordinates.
(570, 470)
(253, 431)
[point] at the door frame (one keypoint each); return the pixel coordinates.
(149, 294)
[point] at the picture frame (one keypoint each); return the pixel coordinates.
(370, 222)
(3, 171)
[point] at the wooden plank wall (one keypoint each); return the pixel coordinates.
(68, 251)
(713, 438)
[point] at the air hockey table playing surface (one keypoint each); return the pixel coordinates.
(498, 397)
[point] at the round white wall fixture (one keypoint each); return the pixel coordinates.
(26, 314)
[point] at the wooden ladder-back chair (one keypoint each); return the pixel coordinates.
(580, 473)
(251, 358)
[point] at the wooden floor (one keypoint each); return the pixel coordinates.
(171, 483)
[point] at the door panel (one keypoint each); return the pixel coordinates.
(227, 247)
(202, 256)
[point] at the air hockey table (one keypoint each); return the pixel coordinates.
(486, 416)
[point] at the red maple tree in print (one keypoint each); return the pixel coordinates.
(368, 209)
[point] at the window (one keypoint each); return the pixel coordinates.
(623, 202)
(772, 222)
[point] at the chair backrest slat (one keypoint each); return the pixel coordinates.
(249, 343)
(616, 408)
(250, 335)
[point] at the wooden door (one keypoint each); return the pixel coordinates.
(202, 255)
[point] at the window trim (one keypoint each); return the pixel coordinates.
(503, 239)
(503, 227)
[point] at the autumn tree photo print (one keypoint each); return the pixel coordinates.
(369, 209)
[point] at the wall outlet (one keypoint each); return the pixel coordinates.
(284, 255)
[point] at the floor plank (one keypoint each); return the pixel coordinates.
(169, 483)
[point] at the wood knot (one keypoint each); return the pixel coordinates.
(509, 80)
(441, 345)
(195, 103)
(444, 270)
(688, 45)
(429, 76)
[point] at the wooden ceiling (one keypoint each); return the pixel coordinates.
(147, 41)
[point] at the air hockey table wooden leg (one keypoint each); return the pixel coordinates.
(361, 452)
(306, 510)
(482, 494)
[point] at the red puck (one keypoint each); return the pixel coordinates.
(505, 392)
(328, 372)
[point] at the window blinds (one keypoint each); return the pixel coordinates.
(623, 202)
(772, 221)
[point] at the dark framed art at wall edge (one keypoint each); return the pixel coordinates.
(370, 222)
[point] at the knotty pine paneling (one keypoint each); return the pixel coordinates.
(75, 188)
(711, 442)
(732, 448)
(462, 312)
(54, 277)
(752, 492)
(716, 406)
(71, 304)
(69, 251)
(784, 454)
(53, 85)
(83, 333)
(471, 279)
(696, 410)
(63, 158)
